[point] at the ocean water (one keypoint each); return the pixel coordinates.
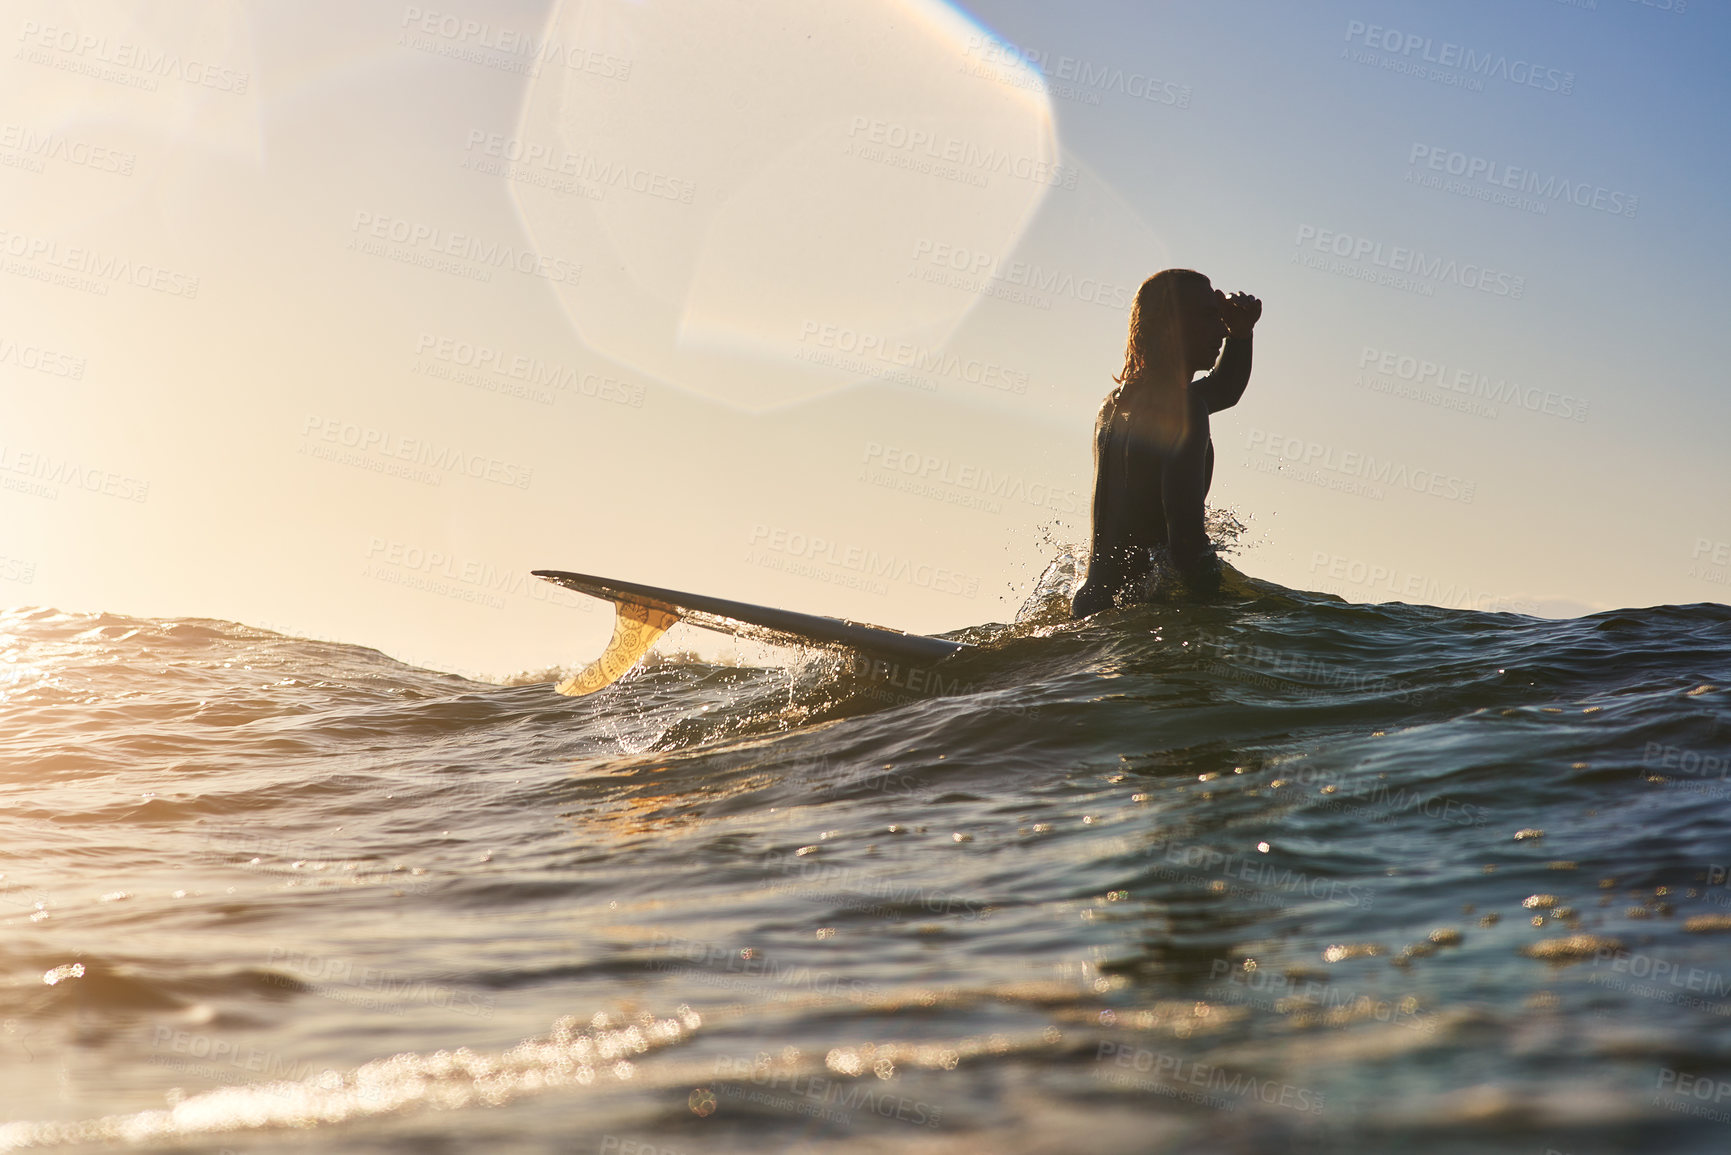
(1280, 873)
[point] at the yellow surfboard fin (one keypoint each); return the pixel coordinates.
(635, 629)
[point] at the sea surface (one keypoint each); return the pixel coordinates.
(1279, 873)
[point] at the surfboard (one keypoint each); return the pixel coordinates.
(644, 613)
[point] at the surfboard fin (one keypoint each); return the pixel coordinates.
(635, 628)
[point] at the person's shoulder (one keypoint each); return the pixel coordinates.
(1109, 409)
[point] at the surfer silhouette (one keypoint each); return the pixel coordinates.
(1153, 456)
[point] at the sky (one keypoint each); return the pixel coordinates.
(338, 319)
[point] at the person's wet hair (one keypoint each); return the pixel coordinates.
(1155, 350)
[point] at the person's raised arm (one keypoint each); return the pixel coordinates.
(1226, 382)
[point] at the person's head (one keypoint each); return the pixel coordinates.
(1175, 328)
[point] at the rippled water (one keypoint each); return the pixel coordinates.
(1279, 874)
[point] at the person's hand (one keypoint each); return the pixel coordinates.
(1240, 311)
